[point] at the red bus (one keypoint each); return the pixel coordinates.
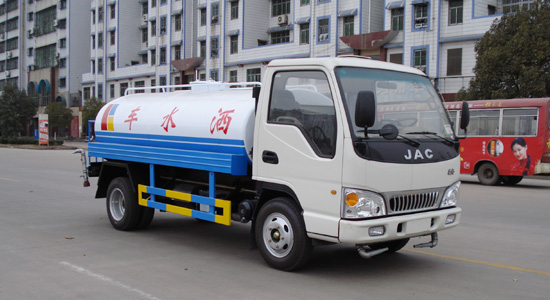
(506, 139)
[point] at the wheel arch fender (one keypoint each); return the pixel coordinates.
(267, 191)
(136, 173)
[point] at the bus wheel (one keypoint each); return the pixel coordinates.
(488, 174)
(511, 180)
(281, 235)
(122, 206)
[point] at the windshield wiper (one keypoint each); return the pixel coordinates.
(432, 134)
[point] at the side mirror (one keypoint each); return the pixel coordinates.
(365, 109)
(465, 116)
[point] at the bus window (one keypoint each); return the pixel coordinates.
(484, 122)
(519, 122)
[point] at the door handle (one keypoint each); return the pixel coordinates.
(270, 157)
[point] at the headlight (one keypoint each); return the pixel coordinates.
(362, 204)
(450, 198)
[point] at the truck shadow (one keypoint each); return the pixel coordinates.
(233, 243)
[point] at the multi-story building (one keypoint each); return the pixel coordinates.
(160, 42)
(37, 38)
(435, 36)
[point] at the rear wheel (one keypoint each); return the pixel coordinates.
(511, 180)
(393, 246)
(122, 206)
(488, 174)
(281, 235)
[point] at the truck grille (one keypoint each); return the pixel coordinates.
(413, 201)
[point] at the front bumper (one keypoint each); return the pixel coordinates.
(397, 227)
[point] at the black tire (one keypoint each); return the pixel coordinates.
(281, 235)
(393, 246)
(122, 205)
(488, 174)
(511, 180)
(146, 217)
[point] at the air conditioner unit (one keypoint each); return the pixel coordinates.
(1, 36)
(55, 23)
(8, 54)
(32, 67)
(57, 55)
(145, 17)
(7, 73)
(214, 19)
(282, 19)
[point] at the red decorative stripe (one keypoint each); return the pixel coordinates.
(105, 117)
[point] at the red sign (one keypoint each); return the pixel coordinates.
(43, 132)
(168, 121)
(221, 121)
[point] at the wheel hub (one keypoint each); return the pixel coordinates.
(278, 235)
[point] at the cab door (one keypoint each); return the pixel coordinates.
(298, 145)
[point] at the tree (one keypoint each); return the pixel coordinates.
(513, 57)
(89, 111)
(16, 110)
(59, 116)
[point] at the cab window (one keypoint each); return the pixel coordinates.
(303, 99)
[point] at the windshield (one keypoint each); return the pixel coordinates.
(407, 101)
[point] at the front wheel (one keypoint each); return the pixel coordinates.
(281, 235)
(488, 174)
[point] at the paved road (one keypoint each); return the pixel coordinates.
(57, 243)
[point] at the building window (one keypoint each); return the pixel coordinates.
(100, 40)
(233, 76)
(177, 22)
(144, 8)
(112, 37)
(162, 80)
(111, 91)
(62, 82)
(509, 6)
(396, 58)
(202, 49)
(100, 91)
(214, 75)
(280, 37)
(254, 75)
(421, 15)
(348, 25)
(163, 25)
(86, 93)
(93, 66)
(100, 65)
(203, 16)
(144, 35)
(62, 4)
(30, 51)
(304, 33)
(44, 21)
(153, 57)
(30, 16)
(63, 43)
(234, 48)
(177, 52)
(419, 59)
(323, 30)
(280, 7)
(153, 3)
(93, 17)
(455, 11)
(100, 14)
(153, 28)
(112, 63)
(123, 88)
(163, 56)
(214, 47)
(214, 13)
(112, 10)
(45, 56)
(454, 62)
(140, 84)
(162, 2)
(93, 42)
(62, 63)
(397, 19)
(143, 57)
(304, 2)
(234, 10)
